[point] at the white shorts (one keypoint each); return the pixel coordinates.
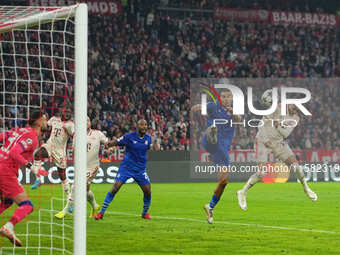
(58, 156)
(281, 151)
(91, 173)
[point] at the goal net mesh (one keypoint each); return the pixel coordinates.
(37, 65)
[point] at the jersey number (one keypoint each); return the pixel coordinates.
(88, 147)
(146, 176)
(57, 132)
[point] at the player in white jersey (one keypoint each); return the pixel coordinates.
(94, 139)
(270, 138)
(55, 147)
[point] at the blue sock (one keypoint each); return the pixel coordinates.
(214, 201)
(147, 202)
(108, 199)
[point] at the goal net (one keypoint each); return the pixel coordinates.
(39, 70)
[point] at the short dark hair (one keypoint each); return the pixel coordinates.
(35, 114)
(56, 111)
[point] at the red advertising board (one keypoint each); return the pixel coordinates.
(300, 18)
(322, 155)
(277, 17)
(103, 7)
(241, 15)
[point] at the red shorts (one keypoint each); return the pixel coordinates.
(10, 186)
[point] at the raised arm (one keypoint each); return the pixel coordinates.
(196, 108)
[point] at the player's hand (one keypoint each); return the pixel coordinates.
(37, 169)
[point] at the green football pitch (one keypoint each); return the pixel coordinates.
(280, 220)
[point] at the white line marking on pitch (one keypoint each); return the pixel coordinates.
(231, 223)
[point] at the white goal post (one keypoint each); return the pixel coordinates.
(28, 18)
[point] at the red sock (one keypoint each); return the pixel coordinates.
(21, 212)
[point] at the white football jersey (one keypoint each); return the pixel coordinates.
(268, 132)
(94, 139)
(60, 133)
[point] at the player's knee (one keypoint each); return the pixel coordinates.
(260, 174)
(223, 181)
(291, 161)
(27, 204)
(147, 193)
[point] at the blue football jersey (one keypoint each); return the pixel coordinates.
(136, 148)
(217, 111)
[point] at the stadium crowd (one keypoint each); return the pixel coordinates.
(140, 65)
(150, 60)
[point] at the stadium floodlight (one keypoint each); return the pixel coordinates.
(43, 64)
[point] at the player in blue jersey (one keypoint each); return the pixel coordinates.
(133, 166)
(217, 140)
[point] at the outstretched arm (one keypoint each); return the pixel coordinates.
(110, 145)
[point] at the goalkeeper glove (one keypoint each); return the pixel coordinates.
(37, 168)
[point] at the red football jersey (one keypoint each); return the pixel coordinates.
(17, 149)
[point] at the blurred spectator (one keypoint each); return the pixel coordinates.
(140, 65)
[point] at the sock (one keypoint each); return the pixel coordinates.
(91, 199)
(6, 203)
(300, 175)
(24, 209)
(9, 225)
(108, 199)
(66, 187)
(147, 202)
(70, 200)
(68, 206)
(255, 178)
(213, 202)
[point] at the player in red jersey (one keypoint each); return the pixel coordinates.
(17, 151)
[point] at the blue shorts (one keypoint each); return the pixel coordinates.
(141, 177)
(220, 153)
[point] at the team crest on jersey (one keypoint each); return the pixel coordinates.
(146, 142)
(29, 141)
(24, 144)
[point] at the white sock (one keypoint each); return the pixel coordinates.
(300, 175)
(68, 205)
(66, 187)
(9, 225)
(91, 199)
(70, 200)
